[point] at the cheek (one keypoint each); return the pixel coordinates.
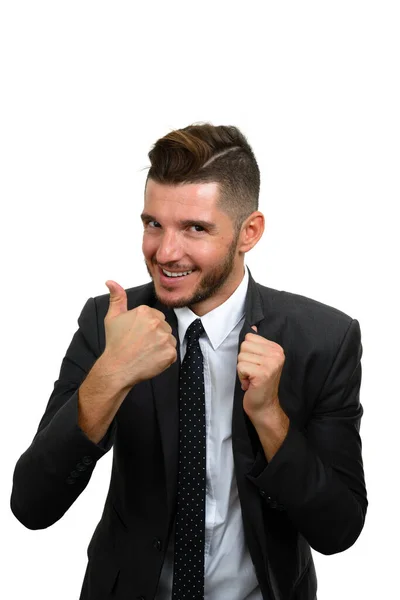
(223, 244)
(148, 246)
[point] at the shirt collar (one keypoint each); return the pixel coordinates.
(219, 322)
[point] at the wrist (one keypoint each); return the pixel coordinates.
(112, 373)
(267, 415)
(272, 426)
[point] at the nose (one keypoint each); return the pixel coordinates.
(169, 249)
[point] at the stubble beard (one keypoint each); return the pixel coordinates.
(208, 285)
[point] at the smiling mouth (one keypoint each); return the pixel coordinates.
(172, 279)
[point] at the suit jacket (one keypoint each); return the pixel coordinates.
(311, 494)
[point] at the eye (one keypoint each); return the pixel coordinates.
(193, 225)
(202, 228)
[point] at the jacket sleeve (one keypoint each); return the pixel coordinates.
(57, 466)
(317, 474)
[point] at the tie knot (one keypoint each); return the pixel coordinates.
(194, 331)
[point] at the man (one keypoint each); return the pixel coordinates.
(232, 408)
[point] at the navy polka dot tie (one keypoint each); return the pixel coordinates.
(188, 580)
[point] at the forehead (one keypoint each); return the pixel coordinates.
(192, 198)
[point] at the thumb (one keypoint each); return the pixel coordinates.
(254, 327)
(118, 299)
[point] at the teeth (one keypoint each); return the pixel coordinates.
(176, 274)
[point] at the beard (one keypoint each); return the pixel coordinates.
(207, 287)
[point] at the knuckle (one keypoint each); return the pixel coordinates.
(164, 337)
(153, 323)
(143, 310)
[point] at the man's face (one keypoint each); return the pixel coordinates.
(207, 250)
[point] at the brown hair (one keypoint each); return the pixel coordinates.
(202, 153)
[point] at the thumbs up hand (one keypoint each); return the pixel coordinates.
(139, 342)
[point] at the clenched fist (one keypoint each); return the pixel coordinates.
(139, 342)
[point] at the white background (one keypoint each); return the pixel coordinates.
(86, 89)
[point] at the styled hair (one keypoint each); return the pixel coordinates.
(203, 153)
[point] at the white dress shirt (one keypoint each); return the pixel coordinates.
(229, 570)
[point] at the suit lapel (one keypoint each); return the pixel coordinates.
(166, 398)
(242, 429)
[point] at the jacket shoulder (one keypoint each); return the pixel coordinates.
(303, 312)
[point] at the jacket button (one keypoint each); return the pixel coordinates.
(81, 467)
(75, 474)
(71, 480)
(157, 544)
(87, 460)
(262, 493)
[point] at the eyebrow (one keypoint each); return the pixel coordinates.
(184, 222)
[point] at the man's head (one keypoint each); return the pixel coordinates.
(201, 201)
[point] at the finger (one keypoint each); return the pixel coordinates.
(166, 326)
(159, 313)
(118, 299)
(244, 381)
(248, 371)
(249, 356)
